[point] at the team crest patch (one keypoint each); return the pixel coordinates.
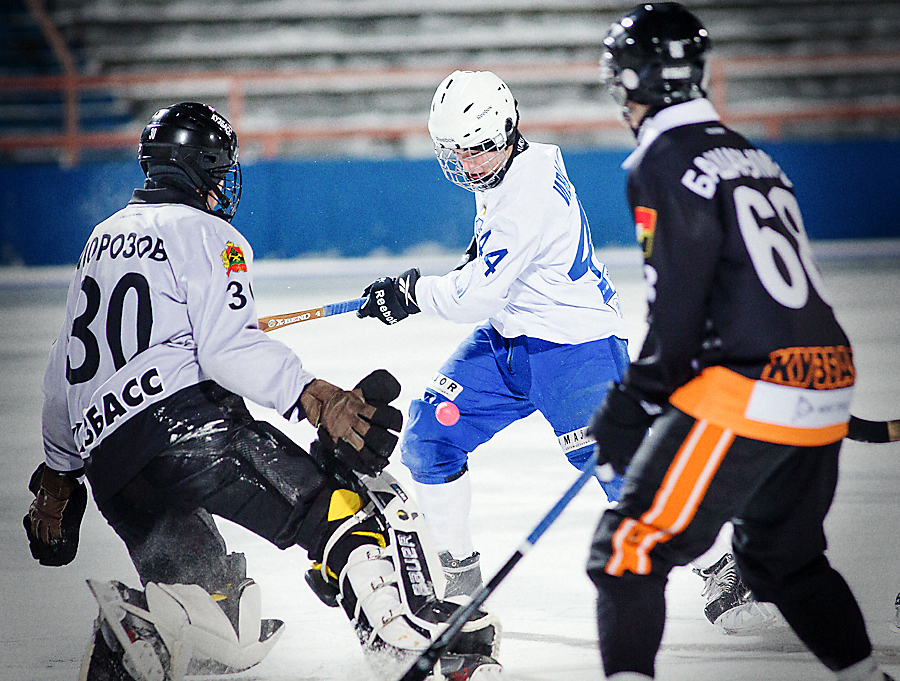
(233, 259)
(645, 228)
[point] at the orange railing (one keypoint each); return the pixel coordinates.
(235, 87)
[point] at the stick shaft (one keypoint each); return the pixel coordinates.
(862, 430)
(277, 321)
(426, 661)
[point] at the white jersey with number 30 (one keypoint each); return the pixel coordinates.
(535, 274)
(161, 300)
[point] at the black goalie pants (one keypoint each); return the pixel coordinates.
(689, 478)
(216, 459)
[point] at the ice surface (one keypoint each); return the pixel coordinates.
(546, 605)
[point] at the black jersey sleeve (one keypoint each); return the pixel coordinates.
(681, 237)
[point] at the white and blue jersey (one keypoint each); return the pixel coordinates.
(552, 336)
(535, 274)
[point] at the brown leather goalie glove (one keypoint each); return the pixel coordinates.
(356, 425)
(54, 519)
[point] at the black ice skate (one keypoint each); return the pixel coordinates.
(467, 667)
(730, 605)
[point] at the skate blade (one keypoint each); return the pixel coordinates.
(750, 618)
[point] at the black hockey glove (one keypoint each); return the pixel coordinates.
(378, 389)
(619, 427)
(391, 300)
(54, 519)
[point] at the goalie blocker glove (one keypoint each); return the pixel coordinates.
(364, 414)
(619, 427)
(391, 300)
(54, 519)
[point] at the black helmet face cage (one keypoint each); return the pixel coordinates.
(227, 191)
(199, 141)
(656, 56)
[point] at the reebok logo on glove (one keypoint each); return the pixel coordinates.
(391, 300)
(384, 311)
(406, 287)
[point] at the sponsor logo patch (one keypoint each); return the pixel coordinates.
(575, 440)
(414, 571)
(111, 408)
(817, 368)
(447, 387)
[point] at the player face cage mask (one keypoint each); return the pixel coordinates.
(473, 122)
(476, 168)
(200, 142)
(655, 55)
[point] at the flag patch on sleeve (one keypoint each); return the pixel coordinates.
(233, 259)
(645, 228)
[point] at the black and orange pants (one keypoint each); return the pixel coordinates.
(689, 478)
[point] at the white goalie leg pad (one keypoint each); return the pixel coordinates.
(412, 544)
(402, 514)
(395, 587)
(188, 619)
(373, 579)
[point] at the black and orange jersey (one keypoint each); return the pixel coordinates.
(737, 309)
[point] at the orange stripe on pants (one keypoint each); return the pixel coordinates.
(676, 500)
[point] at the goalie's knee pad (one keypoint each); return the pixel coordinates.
(381, 567)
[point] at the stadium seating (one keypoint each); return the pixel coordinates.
(335, 71)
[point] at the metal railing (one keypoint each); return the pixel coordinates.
(235, 87)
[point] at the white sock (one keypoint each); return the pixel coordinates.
(446, 510)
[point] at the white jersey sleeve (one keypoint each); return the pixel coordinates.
(60, 450)
(231, 350)
(535, 273)
(161, 300)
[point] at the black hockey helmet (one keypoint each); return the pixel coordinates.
(197, 140)
(655, 55)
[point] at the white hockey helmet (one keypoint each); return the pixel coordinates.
(475, 113)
